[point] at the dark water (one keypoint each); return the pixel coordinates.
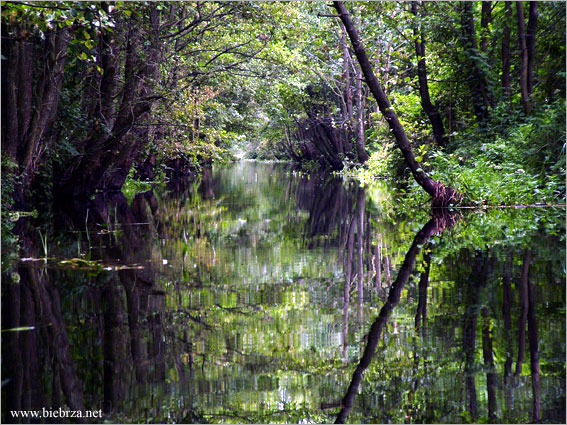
(256, 295)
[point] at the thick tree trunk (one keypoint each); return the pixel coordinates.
(523, 57)
(442, 196)
(426, 104)
(530, 46)
(109, 59)
(506, 50)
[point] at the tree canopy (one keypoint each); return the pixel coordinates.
(96, 93)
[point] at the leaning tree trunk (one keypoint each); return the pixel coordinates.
(442, 195)
(426, 104)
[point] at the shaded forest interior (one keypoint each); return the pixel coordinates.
(97, 94)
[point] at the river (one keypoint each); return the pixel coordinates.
(257, 294)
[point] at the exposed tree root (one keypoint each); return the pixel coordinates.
(444, 196)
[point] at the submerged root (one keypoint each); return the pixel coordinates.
(445, 196)
(444, 219)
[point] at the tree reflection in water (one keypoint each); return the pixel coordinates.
(227, 300)
(434, 226)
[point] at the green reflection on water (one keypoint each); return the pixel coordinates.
(258, 289)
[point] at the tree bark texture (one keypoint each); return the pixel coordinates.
(442, 196)
(426, 104)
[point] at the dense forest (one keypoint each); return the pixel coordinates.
(98, 94)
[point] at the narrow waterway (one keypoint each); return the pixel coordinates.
(251, 295)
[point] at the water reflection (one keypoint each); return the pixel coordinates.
(247, 296)
(434, 226)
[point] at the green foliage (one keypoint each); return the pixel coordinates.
(131, 187)
(8, 217)
(524, 164)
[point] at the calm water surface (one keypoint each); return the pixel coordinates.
(257, 295)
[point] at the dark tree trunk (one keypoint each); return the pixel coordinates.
(109, 55)
(442, 196)
(426, 104)
(530, 46)
(476, 79)
(113, 347)
(10, 127)
(485, 19)
(31, 83)
(506, 312)
(48, 99)
(506, 50)
(476, 281)
(421, 313)
(111, 155)
(523, 57)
